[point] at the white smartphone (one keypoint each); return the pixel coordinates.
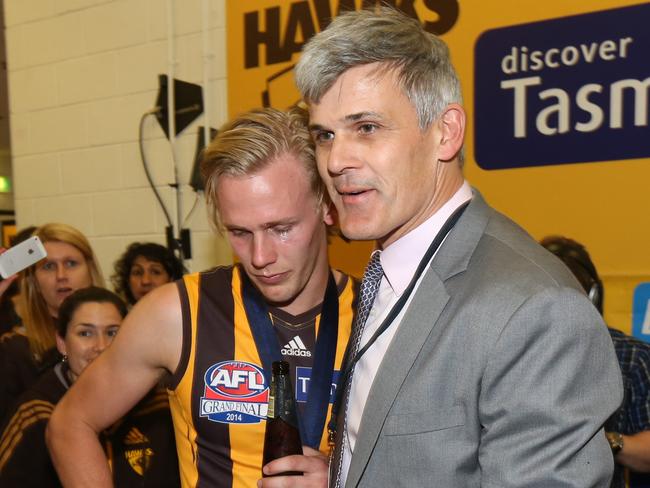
(21, 256)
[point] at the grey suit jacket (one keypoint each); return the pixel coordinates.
(500, 375)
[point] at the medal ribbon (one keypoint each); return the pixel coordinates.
(312, 421)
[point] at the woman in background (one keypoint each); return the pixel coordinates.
(140, 447)
(143, 267)
(29, 350)
(87, 322)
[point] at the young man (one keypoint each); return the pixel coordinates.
(481, 362)
(214, 335)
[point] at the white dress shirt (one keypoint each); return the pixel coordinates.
(399, 261)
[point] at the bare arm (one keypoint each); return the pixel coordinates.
(147, 346)
(636, 452)
(313, 464)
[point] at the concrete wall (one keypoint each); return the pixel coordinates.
(81, 74)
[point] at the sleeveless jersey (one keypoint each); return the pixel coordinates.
(218, 395)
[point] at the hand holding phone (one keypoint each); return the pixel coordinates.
(21, 256)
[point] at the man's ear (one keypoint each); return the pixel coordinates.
(329, 213)
(452, 127)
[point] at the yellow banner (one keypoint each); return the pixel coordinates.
(602, 204)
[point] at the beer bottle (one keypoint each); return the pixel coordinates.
(282, 437)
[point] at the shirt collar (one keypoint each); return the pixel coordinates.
(401, 259)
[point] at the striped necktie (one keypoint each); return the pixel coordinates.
(368, 291)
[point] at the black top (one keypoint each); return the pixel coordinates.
(19, 369)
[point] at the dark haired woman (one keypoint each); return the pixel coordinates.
(88, 320)
(140, 447)
(143, 267)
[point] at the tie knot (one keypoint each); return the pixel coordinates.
(374, 271)
(369, 287)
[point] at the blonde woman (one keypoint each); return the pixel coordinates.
(29, 350)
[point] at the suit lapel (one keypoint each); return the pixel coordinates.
(399, 358)
(419, 320)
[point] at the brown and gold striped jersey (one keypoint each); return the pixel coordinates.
(218, 395)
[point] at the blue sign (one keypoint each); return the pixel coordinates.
(641, 312)
(567, 90)
(303, 376)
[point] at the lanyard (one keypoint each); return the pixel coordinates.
(313, 419)
(394, 312)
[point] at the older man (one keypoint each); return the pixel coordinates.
(480, 362)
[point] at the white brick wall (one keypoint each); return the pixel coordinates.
(81, 74)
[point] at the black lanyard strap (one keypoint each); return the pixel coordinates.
(266, 340)
(392, 315)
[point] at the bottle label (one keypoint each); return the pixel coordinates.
(284, 406)
(271, 409)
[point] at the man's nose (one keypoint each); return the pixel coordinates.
(263, 252)
(341, 156)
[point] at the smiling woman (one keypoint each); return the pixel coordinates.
(88, 321)
(29, 349)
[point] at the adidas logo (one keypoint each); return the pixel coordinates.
(295, 347)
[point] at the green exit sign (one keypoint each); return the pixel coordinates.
(5, 184)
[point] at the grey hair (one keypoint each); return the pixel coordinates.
(251, 142)
(382, 35)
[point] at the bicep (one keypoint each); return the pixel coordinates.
(146, 347)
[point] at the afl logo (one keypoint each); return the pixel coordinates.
(235, 392)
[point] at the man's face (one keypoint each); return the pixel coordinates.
(277, 229)
(378, 165)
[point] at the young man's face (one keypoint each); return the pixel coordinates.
(277, 229)
(378, 165)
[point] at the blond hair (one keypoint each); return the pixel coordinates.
(251, 142)
(39, 325)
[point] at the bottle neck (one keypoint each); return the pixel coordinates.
(281, 401)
